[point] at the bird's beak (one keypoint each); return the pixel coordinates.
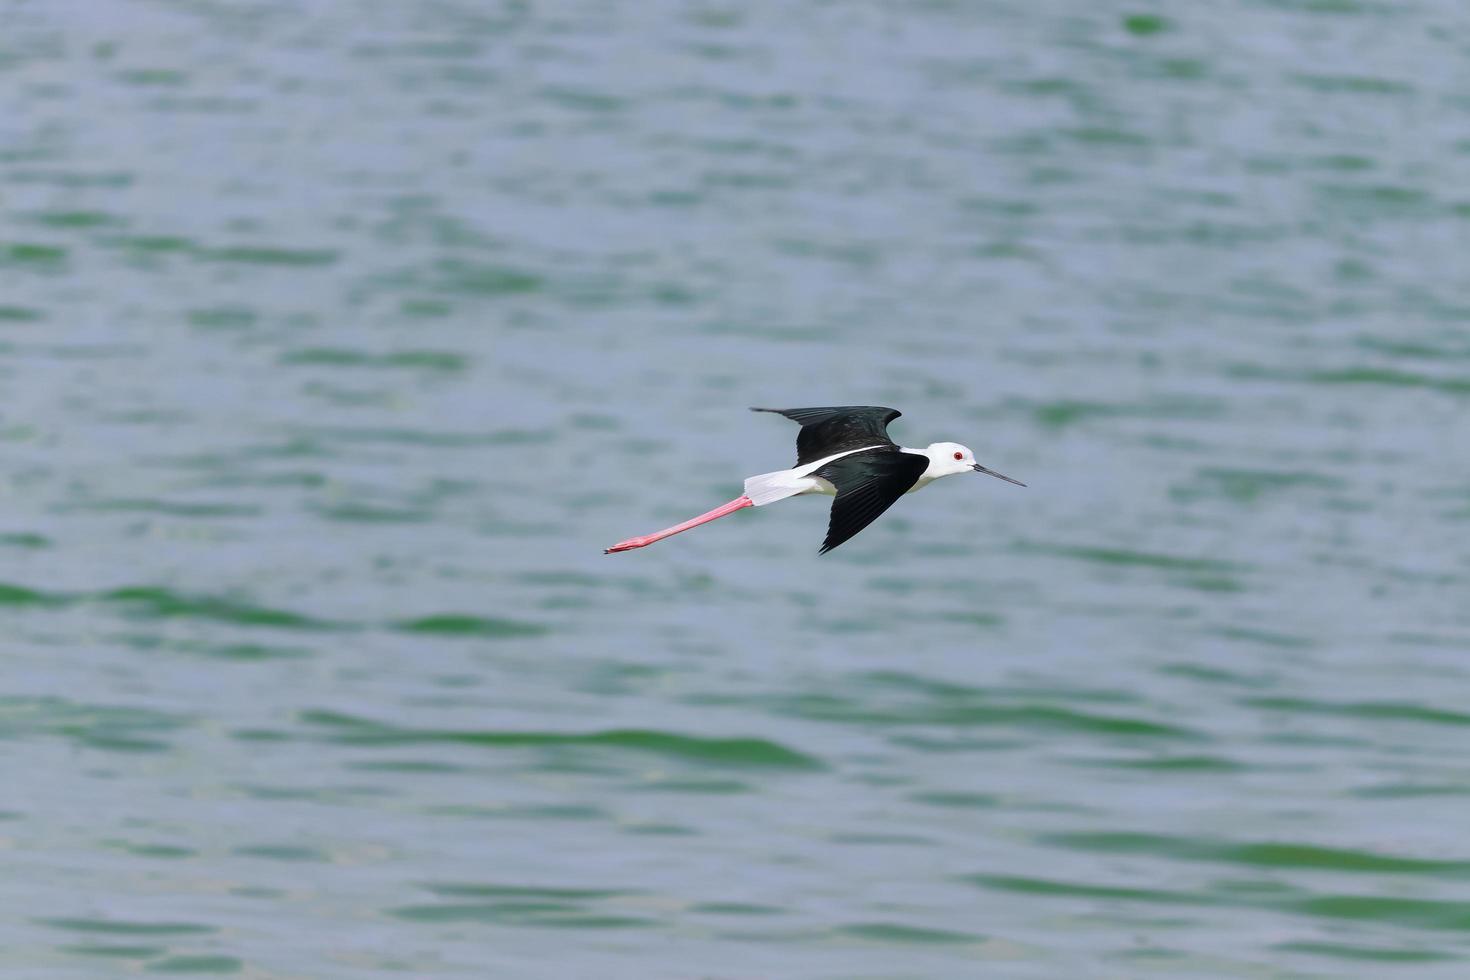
(998, 476)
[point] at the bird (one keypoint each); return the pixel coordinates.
(844, 452)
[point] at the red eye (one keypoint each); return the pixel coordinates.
(959, 455)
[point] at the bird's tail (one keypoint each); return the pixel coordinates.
(767, 488)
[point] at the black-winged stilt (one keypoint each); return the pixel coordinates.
(843, 451)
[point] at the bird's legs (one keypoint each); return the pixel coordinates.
(738, 503)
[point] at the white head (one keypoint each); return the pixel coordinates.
(950, 458)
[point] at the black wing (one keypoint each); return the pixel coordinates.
(826, 431)
(867, 485)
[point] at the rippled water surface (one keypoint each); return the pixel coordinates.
(338, 338)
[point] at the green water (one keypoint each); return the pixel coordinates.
(337, 339)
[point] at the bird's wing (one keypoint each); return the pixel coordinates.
(867, 485)
(826, 431)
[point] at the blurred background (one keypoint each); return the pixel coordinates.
(340, 337)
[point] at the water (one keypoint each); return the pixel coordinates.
(340, 338)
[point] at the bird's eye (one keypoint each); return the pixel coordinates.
(959, 455)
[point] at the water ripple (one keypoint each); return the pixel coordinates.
(757, 752)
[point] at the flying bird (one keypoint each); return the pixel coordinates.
(843, 452)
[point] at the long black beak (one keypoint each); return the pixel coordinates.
(998, 476)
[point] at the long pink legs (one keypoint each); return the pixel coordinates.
(642, 542)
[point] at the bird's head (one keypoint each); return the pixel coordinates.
(950, 458)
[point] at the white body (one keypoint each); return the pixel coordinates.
(767, 488)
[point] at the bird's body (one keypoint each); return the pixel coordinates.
(767, 488)
(843, 452)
